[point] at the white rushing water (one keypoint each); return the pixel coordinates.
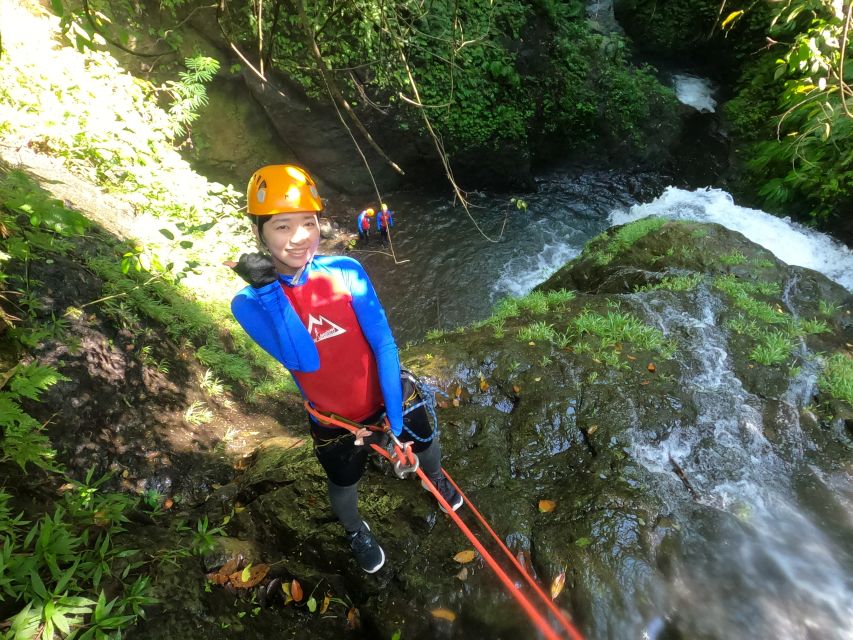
(762, 568)
(695, 92)
(790, 242)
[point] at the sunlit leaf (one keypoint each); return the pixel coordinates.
(484, 386)
(557, 584)
(312, 604)
(325, 604)
(547, 506)
(247, 573)
(464, 557)
(443, 614)
(463, 574)
(583, 542)
(592, 430)
(458, 392)
(734, 15)
(516, 389)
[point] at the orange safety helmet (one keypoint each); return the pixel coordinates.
(282, 188)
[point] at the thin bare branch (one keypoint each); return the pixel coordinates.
(335, 92)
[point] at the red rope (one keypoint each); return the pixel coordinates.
(561, 617)
(536, 617)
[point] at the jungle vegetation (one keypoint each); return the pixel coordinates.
(504, 74)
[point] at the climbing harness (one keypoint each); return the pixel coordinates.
(405, 462)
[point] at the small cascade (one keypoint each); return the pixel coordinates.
(792, 243)
(695, 92)
(754, 562)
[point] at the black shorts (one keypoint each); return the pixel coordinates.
(344, 462)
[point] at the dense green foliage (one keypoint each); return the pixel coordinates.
(488, 74)
(58, 561)
(107, 127)
(794, 111)
(788, 112)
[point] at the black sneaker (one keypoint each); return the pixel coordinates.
(367, 551)
(447, 491)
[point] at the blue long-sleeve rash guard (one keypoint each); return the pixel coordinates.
(330, 331)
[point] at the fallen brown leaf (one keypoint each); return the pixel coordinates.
(557, 585)
(353, 619)
(296, 590)
(592, 430)
(325, 604)
(463, 574)
(516, 389)
(250, 576)
(464, 557)
(217, 578)
(443, 614)
(230, 567)
(651, 367)
(547, 506)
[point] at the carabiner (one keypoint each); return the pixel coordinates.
(404, 459)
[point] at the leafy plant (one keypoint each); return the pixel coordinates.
(189, 93)
(733, 258)
(23, 440)
(836, 379)
(615, 327)
(673, 283)
(537, 332)
(774, 347)
(198, 413)
(204, 536)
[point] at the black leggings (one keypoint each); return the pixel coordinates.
(344, 462)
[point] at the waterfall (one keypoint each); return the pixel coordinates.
(760, 567)
(792, 243)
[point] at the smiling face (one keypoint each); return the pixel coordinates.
(292, 239)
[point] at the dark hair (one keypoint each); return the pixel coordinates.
(259, 222)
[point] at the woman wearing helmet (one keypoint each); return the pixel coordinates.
(320, 317)
(363, 223)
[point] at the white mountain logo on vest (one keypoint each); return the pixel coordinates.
(322, 328)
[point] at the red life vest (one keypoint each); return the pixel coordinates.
(325, 307)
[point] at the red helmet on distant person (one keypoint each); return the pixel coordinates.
(282, 188)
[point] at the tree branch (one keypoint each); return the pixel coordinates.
(335, 92)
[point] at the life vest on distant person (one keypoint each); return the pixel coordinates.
(363, 221)
(386, 217)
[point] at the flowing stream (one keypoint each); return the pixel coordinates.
(454, 275)
(756, 562)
